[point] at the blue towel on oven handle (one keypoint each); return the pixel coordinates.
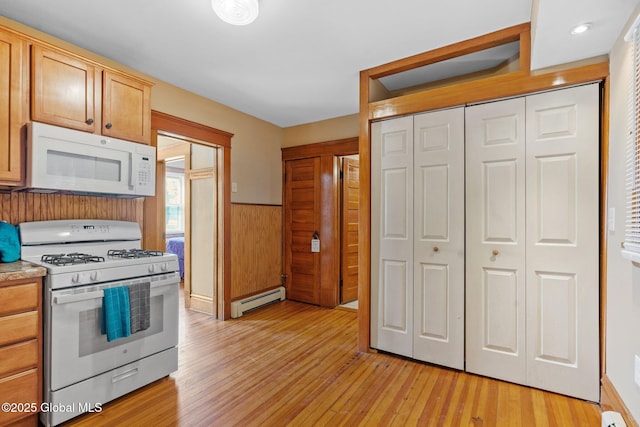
(116, 315)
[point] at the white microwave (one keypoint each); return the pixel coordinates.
(66, 160)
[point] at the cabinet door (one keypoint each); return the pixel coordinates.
(13, 96)
(562, 241)
(495, 264)
(126, 110)
(392, 236)
(63, 90)
(438, 242)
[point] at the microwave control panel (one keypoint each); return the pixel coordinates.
(145, 171)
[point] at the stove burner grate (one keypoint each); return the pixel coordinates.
(70, 259)
(133, 253)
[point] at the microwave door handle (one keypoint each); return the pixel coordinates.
(130, 171)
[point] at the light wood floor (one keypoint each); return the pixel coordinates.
(296, 364)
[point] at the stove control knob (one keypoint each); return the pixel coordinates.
(75, 278)
(152, 268)
(94, 276)
(164, 267)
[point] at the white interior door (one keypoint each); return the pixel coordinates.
(438, 244)
(495, 245)
(562, 241)
(391, 235)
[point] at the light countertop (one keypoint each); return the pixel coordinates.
(20, 270)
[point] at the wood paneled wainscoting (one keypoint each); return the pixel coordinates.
(17, 207)
(256, 248)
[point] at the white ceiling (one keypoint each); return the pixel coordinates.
(299, 62)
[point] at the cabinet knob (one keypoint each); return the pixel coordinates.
(495, 252)
(89, 121)
(436, 249)
(108, 125)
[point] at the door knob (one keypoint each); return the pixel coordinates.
(436, 249)
(495, 252)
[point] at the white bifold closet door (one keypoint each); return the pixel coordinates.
(417, 249)
(563, 270)
(495, 205)
(532, 270)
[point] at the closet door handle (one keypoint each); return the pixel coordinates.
(495, 252)
(436, 249)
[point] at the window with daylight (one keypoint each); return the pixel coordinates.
(632, 229)
(174, 199)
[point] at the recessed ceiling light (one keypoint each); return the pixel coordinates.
(582, 28)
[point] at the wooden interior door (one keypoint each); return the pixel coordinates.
(438, 238)
(495, 233)
(392, 236)
(349, 235)
(302, 220)
(562, 241)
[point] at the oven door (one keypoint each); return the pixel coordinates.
(74, 345)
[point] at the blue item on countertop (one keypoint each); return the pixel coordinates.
(116, 314)
(9, 243)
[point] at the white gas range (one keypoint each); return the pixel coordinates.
(82, 368)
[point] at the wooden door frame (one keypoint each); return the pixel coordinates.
(165, 124)
(328, 151)
(375, 105)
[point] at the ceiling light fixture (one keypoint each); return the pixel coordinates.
(236, 12)
(580, 29)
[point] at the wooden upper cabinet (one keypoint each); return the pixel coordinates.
(13, 105)
(63, 90)
(79, 94)
(126, 110)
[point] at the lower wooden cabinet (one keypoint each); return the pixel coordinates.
(20, 351)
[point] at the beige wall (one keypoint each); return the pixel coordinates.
(623, 277)
(325, 130)
(255, 146)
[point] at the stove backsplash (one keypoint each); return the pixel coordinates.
(17, 207)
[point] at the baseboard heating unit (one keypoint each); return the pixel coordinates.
(238, 308)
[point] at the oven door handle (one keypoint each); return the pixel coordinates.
(65, 299)
(86, 296)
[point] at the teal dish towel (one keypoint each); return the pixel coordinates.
(116, 314)
(9, 243)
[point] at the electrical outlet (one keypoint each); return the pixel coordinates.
(636, 375)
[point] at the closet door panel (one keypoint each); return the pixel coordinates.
(562, 247)
(495, 243)
(392, 236)
(438, 241)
